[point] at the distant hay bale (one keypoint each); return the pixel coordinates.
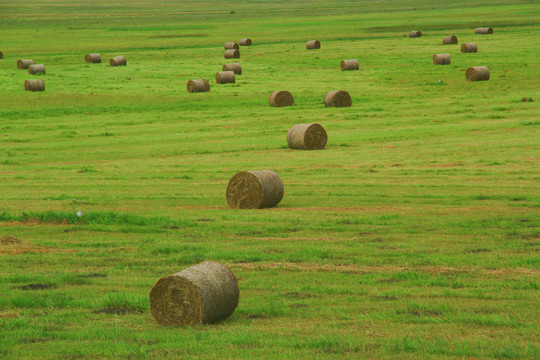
(201, 294)
(415, 33)
(34, 85)
(234, 67)
(469, 48)
(199, 85)
(450, 39)
(255, 189)
(477, 73)
(225, 77)
(487, 30)
(1, 55)
(281, 98)
(232, 54)
(231, 45)
(351, 64)
(313, 44)
(441, 59)
(118, 61)
(93, 58)
(337, 99)
(307, 137)
(24, 63)
(245, 42)
(36, 69)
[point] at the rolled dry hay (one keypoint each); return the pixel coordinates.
(231, 45)
(307, 137)
(469, 48)
(36, 69)
(199, 85)
(441, 59)
(234, 67)
(225, 77)
(256, 189)
(450, 39)
(477, 73)
(93, 58)
(24, 63)
(415, 33)
(34, 85)
(351, 64)
(484, 31)
(338, 99)
(118, 61)
(201, 294)
(280, 98)
(232, 54)
(245, 42)
(313, 44)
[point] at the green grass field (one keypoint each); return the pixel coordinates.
(414, 234)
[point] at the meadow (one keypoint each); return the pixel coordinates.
(414, 234)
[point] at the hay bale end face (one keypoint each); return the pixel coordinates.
(313, 44)
(415, 33)
(201, 294)
(198, 85)
(307, 137)
(225, 77)
(232, 54)
(36, 69)
(450, 39)
(245, 42)
(484, 31)
(281, 98)
(93, 58)
(34, 85)
(234, 67)
(351, 64)
(255, 189)
(118, 61)
(231, 45)
(477, 73)
(441, 59)
(469, 48)
(24, 63)
(337, 99)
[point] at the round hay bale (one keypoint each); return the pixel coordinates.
(307, 137)
(234, 67)
(450, 39)
(118, 61)
(1, 55)
(36, 69)
(24, 63)
(477, 73)
(245, 42)
(441, 59)
(34, 85)
(225, 77)
(93, 58)
(231, 45)
(232, 54)
(484, 31)
(255, 189)
(338, 99)
(201, 294)
(313, 44)
(280, 98)
(199, 85)
(415, 33)
(469, 48)
(351, 64)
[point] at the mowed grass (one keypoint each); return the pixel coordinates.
(414, 234)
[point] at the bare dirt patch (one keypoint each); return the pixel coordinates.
(9, 240)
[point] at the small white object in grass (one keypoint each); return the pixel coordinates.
(440, 81)
(79, 213)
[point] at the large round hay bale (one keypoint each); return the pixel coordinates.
(255, 189)
(234, 67)
(415, 33)
(469, 48)
(477, 73)
(199, 85)
(93, 58)
(24, 63)
(441, 59)
(338, 98)
(280, 98)
(351, 64)
(225, 77)
(232, 54)
(201, 294)
(487, 30)
(118, 61)
(450, 39)
(34, 85)
(36, 69)
(245, 42)
(231, 45)
(313, 44)
(307, 137)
